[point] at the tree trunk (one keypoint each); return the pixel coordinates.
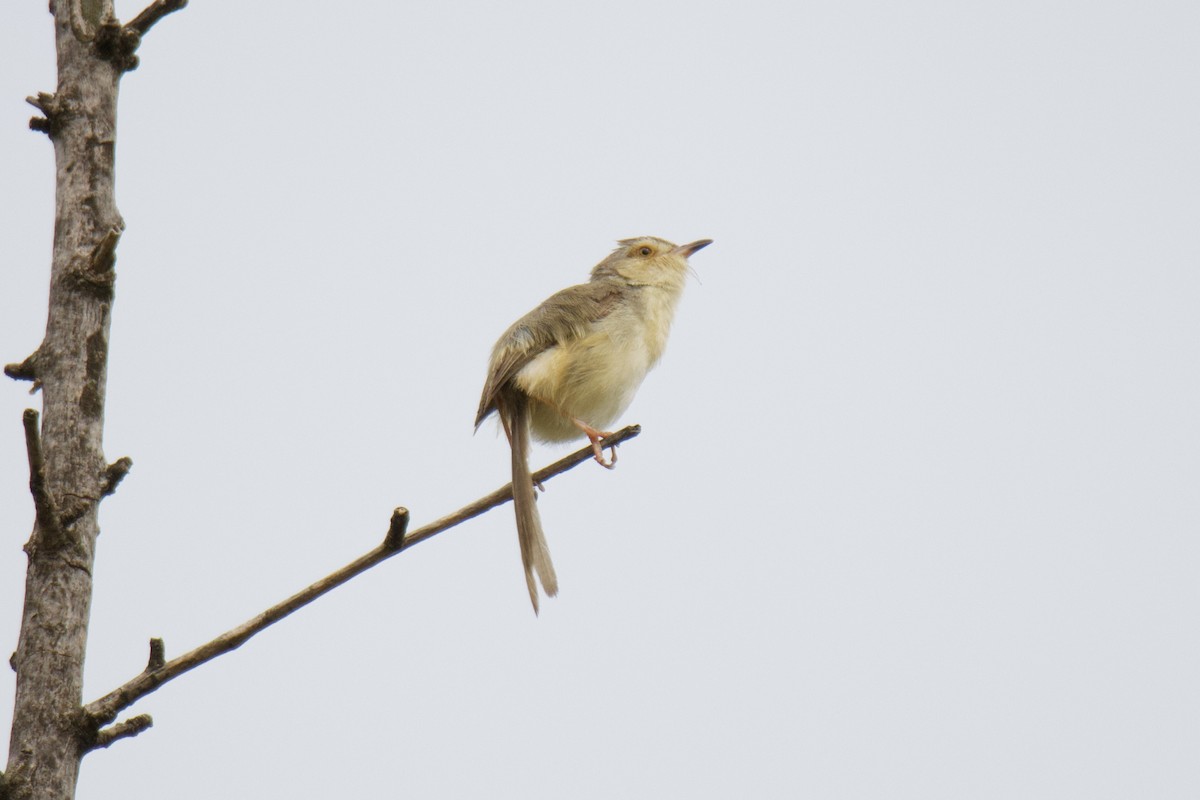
(50, 733)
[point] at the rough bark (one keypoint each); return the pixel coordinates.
(50, 731)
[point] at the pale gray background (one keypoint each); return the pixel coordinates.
(915, 510)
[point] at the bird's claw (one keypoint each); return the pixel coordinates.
(598, 452)
(596, 437)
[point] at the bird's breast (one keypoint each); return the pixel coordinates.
(594, 378)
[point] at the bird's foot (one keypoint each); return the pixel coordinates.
(595, 437)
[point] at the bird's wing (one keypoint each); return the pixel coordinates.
(563, 317)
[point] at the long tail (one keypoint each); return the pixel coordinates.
(535, 554)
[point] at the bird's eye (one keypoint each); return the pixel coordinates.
(645, 251)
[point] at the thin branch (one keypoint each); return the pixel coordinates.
(122, 730)
(153, 13)
(114, 473)
(43, 500)
(106, 708)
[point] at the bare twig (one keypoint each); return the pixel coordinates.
(123, 730)
(158, 655)
(153, 13)
(114, 474)
(395, 535)
(43, 501)
(42, 102)
(106, 708)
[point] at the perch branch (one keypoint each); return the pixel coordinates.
(504, 493)
(106, 708)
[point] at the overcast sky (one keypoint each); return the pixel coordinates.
(914, 513)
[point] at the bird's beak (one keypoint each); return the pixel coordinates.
(686, 250)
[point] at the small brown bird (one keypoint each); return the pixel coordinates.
(573, 365)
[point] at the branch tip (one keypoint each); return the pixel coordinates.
(504, 494)
(399, 524)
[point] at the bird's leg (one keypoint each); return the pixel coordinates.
(594, 436)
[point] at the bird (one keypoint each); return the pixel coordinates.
(572, 366)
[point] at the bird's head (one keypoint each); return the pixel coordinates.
(649, 261)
